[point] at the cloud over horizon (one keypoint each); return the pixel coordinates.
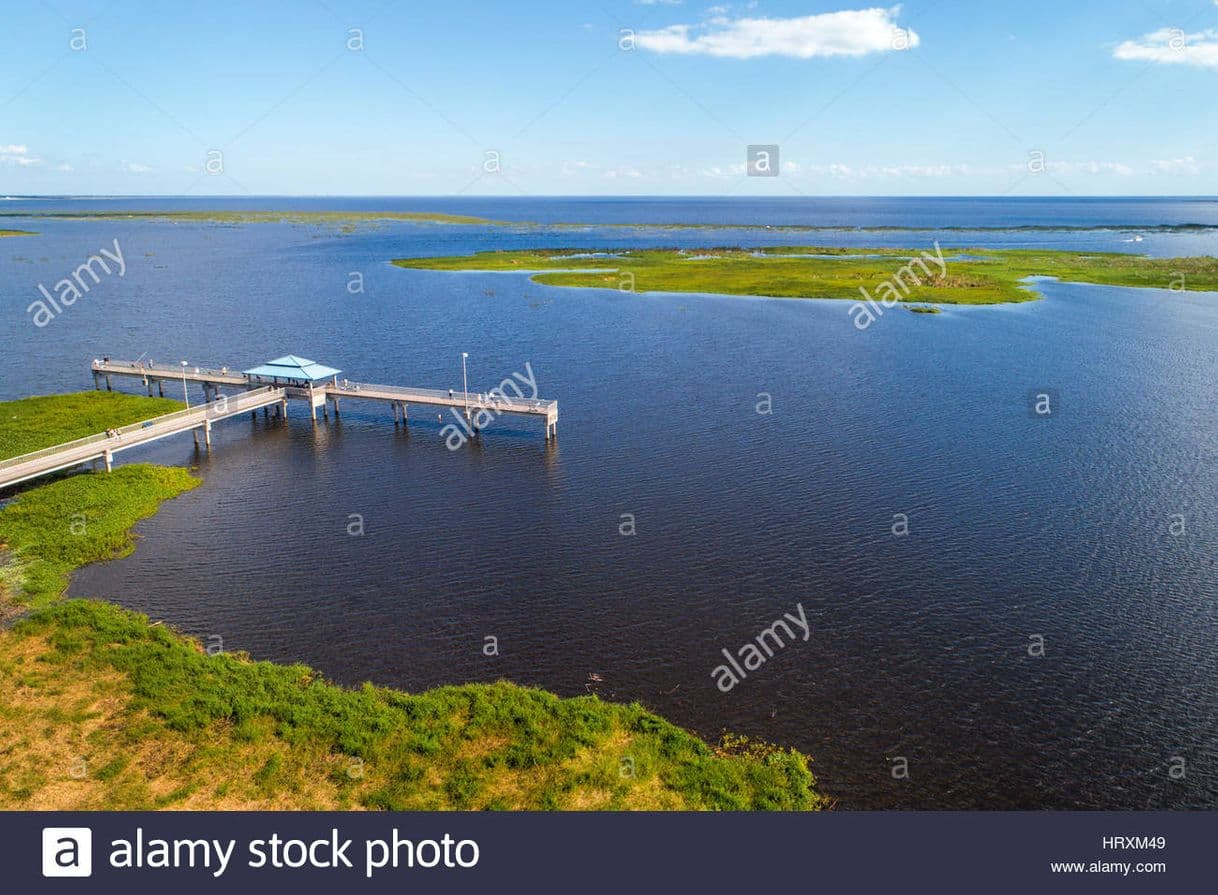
(1171, 46)
(847, 33)
(17, 154)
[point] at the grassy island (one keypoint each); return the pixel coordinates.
(973, 276)
(101, 708)
(17, 233)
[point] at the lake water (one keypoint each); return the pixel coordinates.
(1019, 527)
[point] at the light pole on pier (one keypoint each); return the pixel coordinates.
(465, 382)
(185, 394)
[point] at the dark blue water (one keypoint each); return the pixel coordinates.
(1020, 527)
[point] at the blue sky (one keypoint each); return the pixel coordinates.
(932, 97)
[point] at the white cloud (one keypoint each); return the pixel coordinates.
(847, 33)
(838, 170)
(1186, 165)
(1090, 167)
(65, 167)
(18, 154)
(623, 171)
(1171, 46)
(737, 169)
(807, 173)
(134, 168)
(578, 166)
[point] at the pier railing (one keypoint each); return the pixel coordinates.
(232, 404)
(475, 399)
(140, 368)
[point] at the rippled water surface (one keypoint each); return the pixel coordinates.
(1018, 526)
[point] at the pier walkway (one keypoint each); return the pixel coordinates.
(105, 445)
(320, 387)
(272, 384)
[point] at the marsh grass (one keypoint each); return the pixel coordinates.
(801, 271)
(49, 531)
(160, 723)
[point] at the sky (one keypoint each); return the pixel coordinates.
(610, 97)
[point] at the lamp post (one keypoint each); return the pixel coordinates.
(465, 382)
(185, 394)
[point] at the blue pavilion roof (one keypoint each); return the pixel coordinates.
(292, 367)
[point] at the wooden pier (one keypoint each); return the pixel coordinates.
(327, 394)
(270, 386)
(105, 445)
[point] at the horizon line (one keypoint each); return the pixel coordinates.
(735, 196)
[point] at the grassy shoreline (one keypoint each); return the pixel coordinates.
(958, 276)
(101, 708)
(150, 720)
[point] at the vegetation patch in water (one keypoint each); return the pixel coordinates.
(988, 276)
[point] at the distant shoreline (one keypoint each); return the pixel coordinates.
(353, 217)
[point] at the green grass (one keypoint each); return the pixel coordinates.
(31, 424)
(990, 276)
(255, 733)
(51, 530)
(17, 233)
